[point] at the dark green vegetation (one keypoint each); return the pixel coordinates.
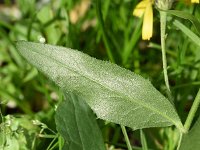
(106, 31)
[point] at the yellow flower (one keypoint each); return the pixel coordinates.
(195, 1)
(144, 8)
(191, 1)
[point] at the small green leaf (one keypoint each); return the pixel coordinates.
(77, 124)
(114, 93)
(185, 15)
(191, 140)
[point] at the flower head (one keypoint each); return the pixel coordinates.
(144, 8)
(195, 1)
(164, 4)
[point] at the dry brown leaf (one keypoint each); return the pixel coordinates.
(79, 11)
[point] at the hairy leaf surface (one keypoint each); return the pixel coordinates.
(114, 93)
(77, 124)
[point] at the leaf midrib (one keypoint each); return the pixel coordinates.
(120, 94)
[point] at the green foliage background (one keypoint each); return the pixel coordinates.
(28, 99)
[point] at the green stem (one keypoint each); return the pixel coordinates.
(101, 23)
(143, 140)
(30, 26)
(163, 20)
(126, 137)
(190, 117)
(179, 141)
(3, 130)
(192, 112)
(195, 83)
(47, 136)
(158, 47)
(60, 143)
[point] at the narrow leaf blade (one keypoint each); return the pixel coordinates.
(115, 94)
(77, 124)
(188, 32)
(185, 15)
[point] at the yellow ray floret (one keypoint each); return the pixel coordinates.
(147, 28)
(144, 8)
(195, 1)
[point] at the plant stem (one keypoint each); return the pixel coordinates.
(192, 112)
(179, 141)
(101, 23)
(190, 117)
(163, 20)
(143, 140)
(126, 137)
(47, 136)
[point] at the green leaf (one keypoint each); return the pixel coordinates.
(115, 94)
(191, 140)
(77, 124)
(185, 15)
(187, 31)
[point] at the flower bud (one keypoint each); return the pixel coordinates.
(164, 4)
